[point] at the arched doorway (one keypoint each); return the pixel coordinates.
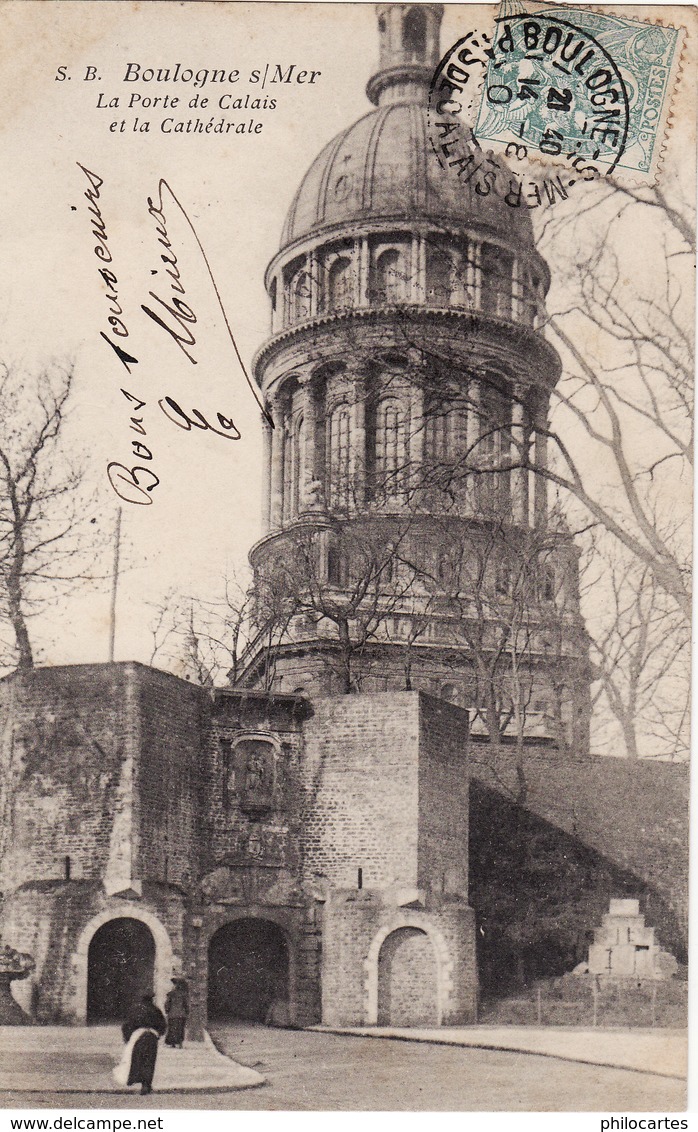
(407, 980)
(248, 971)
(120, 968)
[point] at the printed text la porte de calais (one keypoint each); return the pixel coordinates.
(203, 101)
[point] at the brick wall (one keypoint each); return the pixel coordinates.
(64, 742)
(172, 717)
(407, 980)
(99, 766)
(358, 925)
(443, 797)
(543, 871)
(235, 831)
(361, 781)
(350, 921)
(633, 812)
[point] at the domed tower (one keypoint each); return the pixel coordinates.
(407, 537)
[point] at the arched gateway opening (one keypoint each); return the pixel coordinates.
(120, 968)
(407, 980)
(248, 971)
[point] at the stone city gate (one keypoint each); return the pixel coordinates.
(248, 971)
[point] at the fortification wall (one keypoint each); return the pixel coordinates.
(565, 835)
(361, 781)
(633, 812)
(171, 717)
(443, 798)
(65, 744)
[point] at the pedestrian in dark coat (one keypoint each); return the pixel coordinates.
(147, 1018)
(177, 1010)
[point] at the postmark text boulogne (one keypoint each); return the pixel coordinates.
(569, 79)
(566, 95)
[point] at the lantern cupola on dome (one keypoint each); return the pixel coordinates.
(408, 36)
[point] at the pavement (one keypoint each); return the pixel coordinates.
(79, 1059)
(45, 1060)
(661, 1052)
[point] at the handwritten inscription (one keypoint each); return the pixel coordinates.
(228, 429)
(181, 312)
(175, 317)
(134, 484)
(115, 318)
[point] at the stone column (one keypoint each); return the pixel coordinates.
(516, 291)
(422, 268)
(417, 290)
(315, 290)
(475, 275)
(277, 467)
(306, 489)
(415, 439)
(357, 437)
(363, 298)
(472, 433)
(519, 455)
(275, 282)
(540, 505)
(267, 433)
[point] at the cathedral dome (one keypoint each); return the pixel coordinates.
(384, 167)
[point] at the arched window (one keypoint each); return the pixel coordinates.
(445, 571)
(439, 433)
(439, 272)
(339, 463)
(414, 35)
(299, 293)
(339, 284)
(391, 449)
(496, 280)
(389, 281)
(493, 449)
(503, 579)
(547, 583)
(529, 291)
(336, 566)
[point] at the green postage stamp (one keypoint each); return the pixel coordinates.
(571, 83)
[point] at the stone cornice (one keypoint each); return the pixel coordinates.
(505, 338)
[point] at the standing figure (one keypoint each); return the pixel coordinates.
(177, 1009)
(141, 1030)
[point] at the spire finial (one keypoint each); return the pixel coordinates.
(408, 36)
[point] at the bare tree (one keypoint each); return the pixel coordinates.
(43, 511)
(203, 639)
(624, 403)
(500, 603)
(626, 399)
(348, 592)
(641, 655)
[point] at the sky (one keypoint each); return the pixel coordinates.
(61, 133)
(235, 189)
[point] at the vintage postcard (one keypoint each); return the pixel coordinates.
(346, 380)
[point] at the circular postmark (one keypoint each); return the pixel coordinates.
(557, 89)
(537, 90)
